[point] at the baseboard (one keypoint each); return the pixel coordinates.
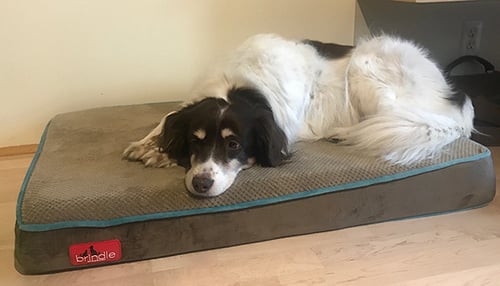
(18, 150)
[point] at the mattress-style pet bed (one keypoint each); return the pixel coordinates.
(81, 205)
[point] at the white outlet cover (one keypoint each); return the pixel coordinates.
(471, 37)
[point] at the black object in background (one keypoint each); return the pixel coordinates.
(484, 91)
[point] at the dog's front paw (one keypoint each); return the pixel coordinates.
(149, 154)
(154, 158)
(135, 151)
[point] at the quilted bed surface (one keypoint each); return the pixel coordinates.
(78, 179)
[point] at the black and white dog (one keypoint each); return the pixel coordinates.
(384, 97)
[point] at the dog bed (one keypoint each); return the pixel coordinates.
(82, 206)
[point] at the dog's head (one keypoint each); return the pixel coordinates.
(215, 139)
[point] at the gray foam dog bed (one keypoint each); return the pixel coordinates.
(82, 206)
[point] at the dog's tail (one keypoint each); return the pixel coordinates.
(407, 137)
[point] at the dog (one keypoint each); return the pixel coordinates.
(384, 98)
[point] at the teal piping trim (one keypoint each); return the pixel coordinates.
(239, 206)
(27, 177)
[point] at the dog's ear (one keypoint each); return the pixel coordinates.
(173, 138)
(270, 141)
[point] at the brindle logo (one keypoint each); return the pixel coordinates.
(95, 252)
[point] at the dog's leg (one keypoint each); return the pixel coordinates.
(147, 150)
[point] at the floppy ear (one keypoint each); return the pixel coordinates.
(270, 142)
(173, 138)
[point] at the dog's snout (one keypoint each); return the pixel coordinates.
(202, 183)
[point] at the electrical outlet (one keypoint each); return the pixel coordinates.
(471, 37)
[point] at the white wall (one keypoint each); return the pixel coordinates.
(64, 55)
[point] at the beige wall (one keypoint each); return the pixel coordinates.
(64, 55)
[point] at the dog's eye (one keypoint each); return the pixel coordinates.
(233, 145)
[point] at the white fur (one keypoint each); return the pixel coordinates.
(386, 98)
(147, 151)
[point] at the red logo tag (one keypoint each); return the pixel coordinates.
(95, 252)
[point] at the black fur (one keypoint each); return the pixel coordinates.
(172, 140)
(247, 115)
(458, 98)
(329, 50)
(266, 142)
(270, 142)
(176, 139)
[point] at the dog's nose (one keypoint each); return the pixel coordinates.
(202, 183)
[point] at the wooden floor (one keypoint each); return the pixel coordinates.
(454, 249)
